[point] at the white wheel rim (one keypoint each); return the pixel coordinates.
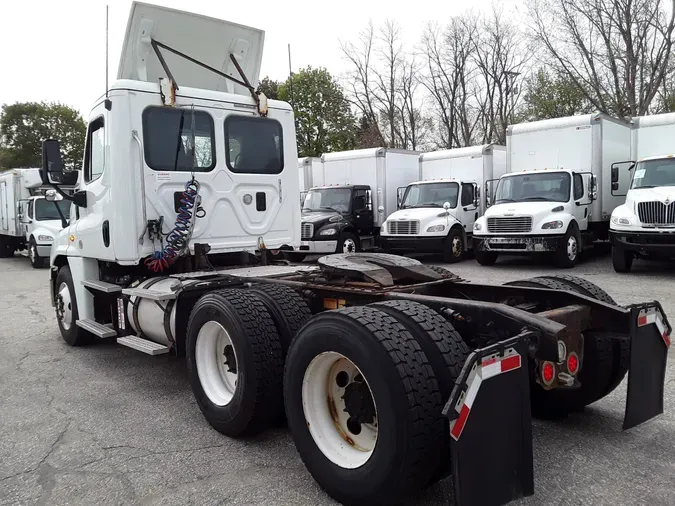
(66, 310)
(216, 360)
(331, 426)
(572, 248)
(32, 253)
(456, 246)
(349, 246)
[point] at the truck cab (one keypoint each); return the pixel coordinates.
(337, 218)
(40, 223)
(537, 211)
(434, 216)
(644, 227)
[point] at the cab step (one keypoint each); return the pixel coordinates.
(98, 329)
(143, 345)
(101, 286)
(145, 293)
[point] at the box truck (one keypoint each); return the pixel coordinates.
(360, 188)
(385, 390)
(438, 211)
(310, 172)
(27, 220)
(644, 226)
(557, 197)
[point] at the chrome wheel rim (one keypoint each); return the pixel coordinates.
(216, 362)
(572, 248)
(64, 306)
(349, 246)
(340, 410)
(32, 253)
(457, 246)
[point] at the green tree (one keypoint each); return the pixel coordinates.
(24, 125)
(552, 96)
(270, 88)
(324, 120)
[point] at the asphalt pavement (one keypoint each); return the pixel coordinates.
(106, 425)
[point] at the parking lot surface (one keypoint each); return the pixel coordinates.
(106, 425)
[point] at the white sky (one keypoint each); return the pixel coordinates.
(54, 50)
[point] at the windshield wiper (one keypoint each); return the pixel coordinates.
(534, 198)
(646, 186)
(504, 200)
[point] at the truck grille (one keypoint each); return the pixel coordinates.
(510, 225)
(656, 213)
(403, 227)
(307, 231)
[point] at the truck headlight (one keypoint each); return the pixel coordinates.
(477, 226)
(620, 221)
(45, 238)
(436, 228)
(552, 225)
(328, 231)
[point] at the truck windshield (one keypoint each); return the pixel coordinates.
(328, 199)
(430, 195)
(551, 186)
(653, 173)
(47, 210)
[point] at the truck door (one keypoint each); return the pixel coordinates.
(362, 209)
(469, 206)
(581, 199)
(4, 210)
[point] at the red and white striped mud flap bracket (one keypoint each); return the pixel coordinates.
(491, 426)
(649, 342)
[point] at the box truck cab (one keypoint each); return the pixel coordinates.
(644, 227)
(557, 196)
(436, 213)
(27, 219)
(360, 187)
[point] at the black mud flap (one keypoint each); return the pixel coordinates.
(650, 340)
(491, 426)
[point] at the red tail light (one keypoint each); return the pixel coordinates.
(548, 372)
(573, 364)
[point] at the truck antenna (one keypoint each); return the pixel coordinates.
(108, 103)
(290, 74)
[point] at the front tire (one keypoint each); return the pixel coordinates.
(567, 255)
(235, 362)
(348, 243)
(454, 247)
(36, 261)
(66, 310)
(622, 260)
(486, 258)
(355, 372)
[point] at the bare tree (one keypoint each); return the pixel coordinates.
(500, 55)
(617, 51)
(383, 85)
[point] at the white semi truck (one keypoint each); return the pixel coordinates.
(387, 371)
(27, 220)
(557, 197)
(437, 212)
(360, 187)
(644, 226)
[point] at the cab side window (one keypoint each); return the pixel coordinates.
(94, 161)
(467, 194)
(578, 186)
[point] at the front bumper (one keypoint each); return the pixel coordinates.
(644, 242)
(415, 243)
(318, 246)
(517, 243)
(44, 250)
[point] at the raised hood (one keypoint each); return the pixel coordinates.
(209, 40)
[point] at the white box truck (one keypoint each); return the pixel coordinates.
(359, 189)
(557, 196)
(310, 173)
(644, 226)
(27, 220)
(438, 211)
(384, 391)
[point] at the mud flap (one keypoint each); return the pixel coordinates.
(491, 426)
(650, 340)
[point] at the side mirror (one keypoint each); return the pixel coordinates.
(476, 197)
(615, 176)
(615, 186)
(594, 188)
(52, 164)
(446, 205)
